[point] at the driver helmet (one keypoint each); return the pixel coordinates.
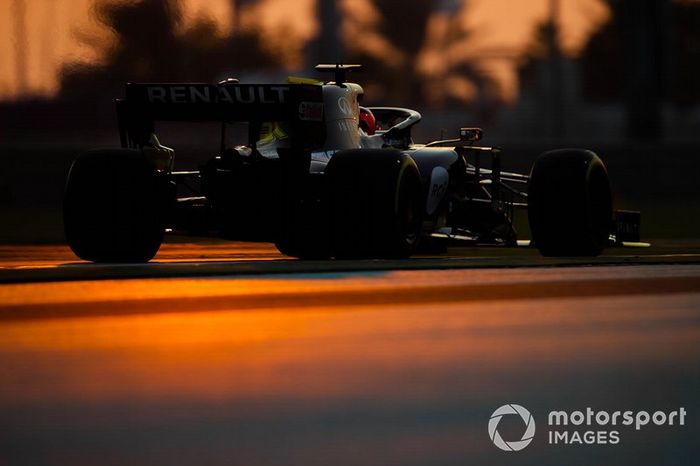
(367, 122)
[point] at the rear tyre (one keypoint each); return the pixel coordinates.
(569, 203)
(304, 232)
(113, 207)
(377, 204)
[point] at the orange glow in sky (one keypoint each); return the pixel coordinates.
(52, 33)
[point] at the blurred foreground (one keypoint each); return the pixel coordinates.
(330, 378)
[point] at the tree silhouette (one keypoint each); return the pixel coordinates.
(538, 51)
(395, 71)
(685, 50)
(604, 57)
(402, 25)
(646, 54)
(149, 47)
(602, 60)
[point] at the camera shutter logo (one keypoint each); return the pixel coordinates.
(527, 418)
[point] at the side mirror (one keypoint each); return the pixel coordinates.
(470, 134)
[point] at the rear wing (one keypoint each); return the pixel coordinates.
(145, 104)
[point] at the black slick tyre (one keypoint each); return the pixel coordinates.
(569, 203)
(376, 203)
(114, 206)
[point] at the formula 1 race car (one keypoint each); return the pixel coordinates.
(322, 177)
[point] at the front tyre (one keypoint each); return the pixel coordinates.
(569, 203)
(113, 207)
(377, 204)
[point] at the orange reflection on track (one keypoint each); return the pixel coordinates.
(336, 352)
(24, 255)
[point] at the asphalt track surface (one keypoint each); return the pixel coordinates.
(229, 354)
(21, 263)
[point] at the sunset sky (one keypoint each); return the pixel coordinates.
(53, 32)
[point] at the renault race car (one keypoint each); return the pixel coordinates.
(313, 181)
